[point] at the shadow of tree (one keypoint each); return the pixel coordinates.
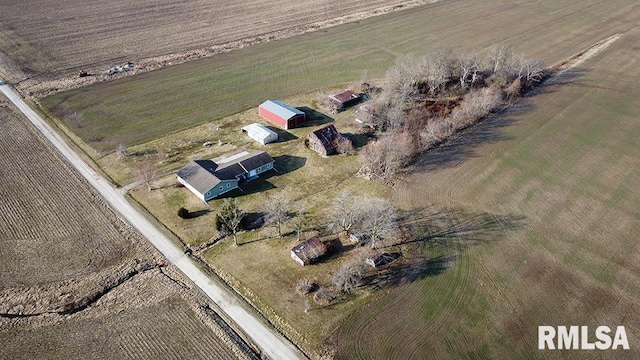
(358, 140)
(407, 270)
(451, 230)
(455, 227)
(461, 146)
(198, 213)
(253, 220)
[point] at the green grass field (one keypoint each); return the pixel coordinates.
(136, 110)
(567, 162)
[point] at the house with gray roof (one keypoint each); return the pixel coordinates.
(208, 179)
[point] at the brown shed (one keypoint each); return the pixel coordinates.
(324, 141)
(344, 99)
(308, 251)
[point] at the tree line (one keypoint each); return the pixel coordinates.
(425, 99)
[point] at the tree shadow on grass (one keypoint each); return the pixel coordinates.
(358, 140)
(462, 145)
(198, 213)
(450, 230)
(407, 270)
(451, 227)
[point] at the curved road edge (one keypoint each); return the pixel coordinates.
(271, 343)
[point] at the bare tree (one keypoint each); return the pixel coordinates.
(405, 74)
(380, 220)
(499, 58)
(533, 71)
(477, 104)
(305, 286)
(324, 296)
(344, 145)
(121, 151)
(349, 276)
(344, 211)
(440, 64)
(278, 211)
(383, 158)
(468, 66)
(146, 170)
(299, 219)
(230, 218)
(395, 115)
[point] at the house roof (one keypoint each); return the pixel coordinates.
(258, 131)
(343, 97)
(205, 174)
(309, 249)
(281, 109)
(328, 136)
(247, 160)
(199, 174)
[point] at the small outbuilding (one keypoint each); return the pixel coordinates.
(281, 114)
(356, 238)
(325, 140)
(308, 251)
(260, 133)
(208, 179)
(381, 259)
(344, 99)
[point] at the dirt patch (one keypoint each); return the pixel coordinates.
(69, 296)
(584, 55)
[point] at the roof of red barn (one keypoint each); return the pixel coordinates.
(281, 109)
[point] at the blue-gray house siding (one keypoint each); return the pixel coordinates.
(209, 179)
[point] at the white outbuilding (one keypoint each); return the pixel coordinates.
(260, 133)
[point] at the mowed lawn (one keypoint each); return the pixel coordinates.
(137, 109)
(567, 162)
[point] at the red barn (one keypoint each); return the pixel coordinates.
(281, 114)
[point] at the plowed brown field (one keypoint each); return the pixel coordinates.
(60, 242)
(49, 215)
(48, 37)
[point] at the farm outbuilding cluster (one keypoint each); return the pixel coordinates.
(208, 179)
(281, 114)
(260, 133)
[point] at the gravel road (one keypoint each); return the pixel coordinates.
(268, 340)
